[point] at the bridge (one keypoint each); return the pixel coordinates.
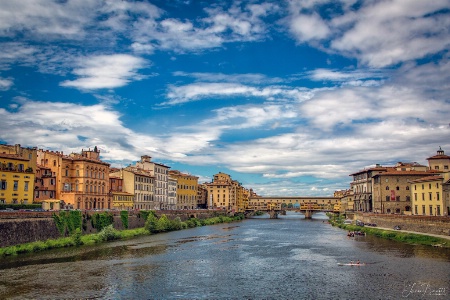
(306, 205)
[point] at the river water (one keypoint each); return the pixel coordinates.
(286, 258)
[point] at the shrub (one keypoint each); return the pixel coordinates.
(108, 233)
(163, 224)
(150, 224)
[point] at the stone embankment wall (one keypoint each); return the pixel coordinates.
(422, 224)
(24, 227)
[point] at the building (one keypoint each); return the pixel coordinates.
(16, 179)
(431, 195)
(202, 196)
(362, 187)
(120, 199)
(172, 194)
(44, 184)
(187, 186)
(29, 154)
(391, 190)
(141, 184)
(82, 179)
(225, 193)
(161, 177)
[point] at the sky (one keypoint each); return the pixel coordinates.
(288, 97)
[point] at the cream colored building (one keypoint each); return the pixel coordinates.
(161, 178)
(172, 194)
(141, 184)
(222, 192)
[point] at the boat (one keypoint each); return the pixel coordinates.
(351, 264)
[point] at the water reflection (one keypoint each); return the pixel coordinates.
(259, 258)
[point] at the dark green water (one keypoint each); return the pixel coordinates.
(288, 258)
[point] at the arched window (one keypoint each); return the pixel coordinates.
(387, 188)
(407, 187)
(397, 188)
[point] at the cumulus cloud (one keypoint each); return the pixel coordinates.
(106, 71)
(5, 84)
(378, 33)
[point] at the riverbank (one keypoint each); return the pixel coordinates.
(153, 225)
(404, 236)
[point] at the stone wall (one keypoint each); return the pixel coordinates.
(24, 227)
(423, 224)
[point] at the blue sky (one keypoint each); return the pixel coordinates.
(289, 97)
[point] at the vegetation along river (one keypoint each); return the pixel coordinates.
(286, 258)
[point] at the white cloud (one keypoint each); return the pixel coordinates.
(106, 71)
(5, 84)
(309, 27)
(196, 91)
(377, 33)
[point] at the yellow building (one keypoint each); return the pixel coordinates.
(187, 189)
(16, 180)
(29, 154)
(122, 200)
(431, 195)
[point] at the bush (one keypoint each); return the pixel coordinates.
(102, 220)
(108, 233)
(77, 237)
(150, 224)
(163, 224)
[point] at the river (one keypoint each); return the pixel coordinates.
(261, 258)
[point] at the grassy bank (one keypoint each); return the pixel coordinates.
(410, 238)
(153, 225)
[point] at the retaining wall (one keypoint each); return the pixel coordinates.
(423, 224)
(24, 227)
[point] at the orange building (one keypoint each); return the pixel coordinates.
(82, 180)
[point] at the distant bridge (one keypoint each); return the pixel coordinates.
(306, 205)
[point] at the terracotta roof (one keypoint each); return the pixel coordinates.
(428, 178)
(439, 157)
(406, 173)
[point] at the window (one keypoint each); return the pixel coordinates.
(423, 186)
(423, 210)
(25, 188)
(437, 196)
(387, 188)
(397, 198)
(407, 187)
(431, 210)
(408, 198)
(445, 167)
(3, 185)
(415, 187)
(438, 210)
(436, 167)
(423, 196)
(397, 188)
(16, 185)
(387, 198)
(430, 196)
(415, 196)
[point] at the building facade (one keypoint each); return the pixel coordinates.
(120, 199)
(161, 177)
(187, 186)
(141, 184)
(82, 179)
(44, 184)
(16, 179)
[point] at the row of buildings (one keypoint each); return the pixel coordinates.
(84, 181)
(405, 188)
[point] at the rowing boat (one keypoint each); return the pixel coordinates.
(351, 264)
